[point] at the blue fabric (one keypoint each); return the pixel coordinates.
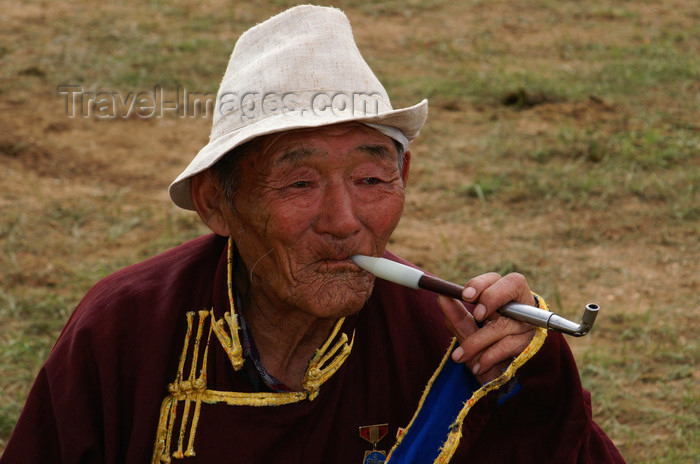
(512, 388)
(453, 386)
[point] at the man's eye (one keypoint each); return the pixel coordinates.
(370, 181)
(301, 184)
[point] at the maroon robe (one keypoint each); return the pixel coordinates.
(98, 397)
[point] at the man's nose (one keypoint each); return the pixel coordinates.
(338, 215)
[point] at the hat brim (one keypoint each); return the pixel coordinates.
(408, 120)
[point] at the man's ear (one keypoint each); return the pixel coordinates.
(209, 202)
(406, 166)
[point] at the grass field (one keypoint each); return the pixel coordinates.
(563, 142)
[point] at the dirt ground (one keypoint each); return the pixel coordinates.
(85, 196)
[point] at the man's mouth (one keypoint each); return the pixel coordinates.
(338, 264)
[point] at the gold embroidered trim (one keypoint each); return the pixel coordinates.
(454, 436)
(193, 389)
(188, 391)
(232, 343)
(316, 374)
(252, 399)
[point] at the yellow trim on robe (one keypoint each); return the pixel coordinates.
(453, 438)
(193, 391)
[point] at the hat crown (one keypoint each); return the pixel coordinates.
(302, 59)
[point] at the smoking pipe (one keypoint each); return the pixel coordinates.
(415, 278)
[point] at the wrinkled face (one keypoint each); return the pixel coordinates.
(309, 200)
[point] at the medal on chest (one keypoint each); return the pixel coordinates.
(373, 434)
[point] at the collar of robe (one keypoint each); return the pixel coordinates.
(326, 361)
(190, 384)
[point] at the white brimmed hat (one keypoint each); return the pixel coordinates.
(299, 69)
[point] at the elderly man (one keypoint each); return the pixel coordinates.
(264, 342)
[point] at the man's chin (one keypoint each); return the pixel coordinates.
(341, 299)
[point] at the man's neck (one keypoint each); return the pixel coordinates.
(285, 340)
